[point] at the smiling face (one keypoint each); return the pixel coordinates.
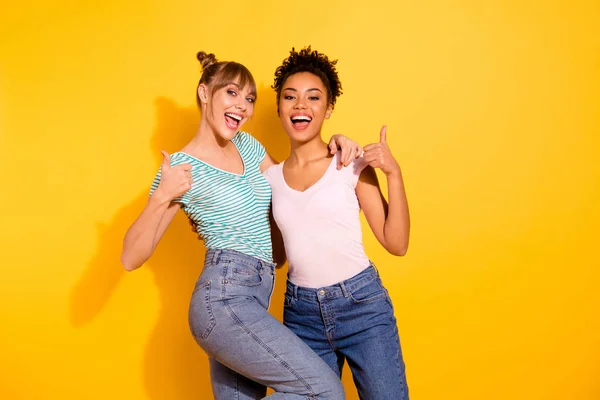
(227, 108)
(303, 106)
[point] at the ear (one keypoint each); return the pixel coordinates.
(329, 111)
(203, 93)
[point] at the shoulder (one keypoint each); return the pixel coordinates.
(247, 141)
(355, 167)
(246, 138)
(353, 171)
(272, 172)
(249, 147)
(179, 157)
(358, 164)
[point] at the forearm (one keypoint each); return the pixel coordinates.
(141, 238)
(397, 223)
(279, 256)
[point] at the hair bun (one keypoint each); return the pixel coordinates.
(206, 59)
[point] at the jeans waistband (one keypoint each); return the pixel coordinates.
(340, 289)
(213, 256)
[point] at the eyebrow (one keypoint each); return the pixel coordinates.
(308, 90)
(251, 93)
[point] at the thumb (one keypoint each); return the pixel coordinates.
(332, 147)
(382, 135)
(166, 160)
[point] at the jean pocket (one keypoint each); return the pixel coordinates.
(369, 293)
(201, 318)
(288, 300)
(242, 274)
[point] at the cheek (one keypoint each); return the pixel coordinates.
(250, 110)
(225, 102)
(221, 99)
(283, 110)
(319, 110)
(283, 116)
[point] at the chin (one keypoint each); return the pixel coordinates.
(304, 136)
(227, 134)
(301, 138)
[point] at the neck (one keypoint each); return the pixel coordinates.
(303, 153)
(206, 139)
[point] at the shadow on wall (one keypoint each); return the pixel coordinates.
(174, 366)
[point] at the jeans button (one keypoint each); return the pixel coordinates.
(321, 292)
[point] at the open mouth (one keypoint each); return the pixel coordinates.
(301, 121)
(233, 120)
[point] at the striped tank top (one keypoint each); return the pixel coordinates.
(231, 211)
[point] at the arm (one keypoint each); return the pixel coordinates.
(144, 234)
(279, 256)
(267, 162)
(350, 150)
(147, 230)
(390, 223)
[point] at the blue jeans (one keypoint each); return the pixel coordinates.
(354, 321)
(248, 348)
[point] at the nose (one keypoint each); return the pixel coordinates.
(241, 105)
(299, 104)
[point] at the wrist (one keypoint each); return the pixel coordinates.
(394, 173)
(160, 198)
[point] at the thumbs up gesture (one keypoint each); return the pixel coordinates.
(378, 155)
(174, 181)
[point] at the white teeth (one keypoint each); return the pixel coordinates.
(236, 117)
(301, 118)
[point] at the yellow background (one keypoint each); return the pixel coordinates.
(492, 110)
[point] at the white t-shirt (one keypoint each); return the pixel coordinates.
(320, 226)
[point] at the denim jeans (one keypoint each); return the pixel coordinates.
(248, 348)
(354, 321)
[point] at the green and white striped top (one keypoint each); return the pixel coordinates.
(230, 210)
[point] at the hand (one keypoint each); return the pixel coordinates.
(378, 155)
(350, 149)
(174, 181)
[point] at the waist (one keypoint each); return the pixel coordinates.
(214, 256)
(256, 245)
(322, 266)
(340, 289)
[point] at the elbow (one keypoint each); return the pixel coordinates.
(402, 251)
(128, 264)
(398, 250)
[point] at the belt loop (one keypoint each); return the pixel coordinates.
(376, 270)
(295, 291)
(216, 255)
(344, 290)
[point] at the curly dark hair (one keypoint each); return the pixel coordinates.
(307, 60)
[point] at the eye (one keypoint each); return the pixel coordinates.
(288, 97)
(314, 98)
(231, 92)
(250, 100)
